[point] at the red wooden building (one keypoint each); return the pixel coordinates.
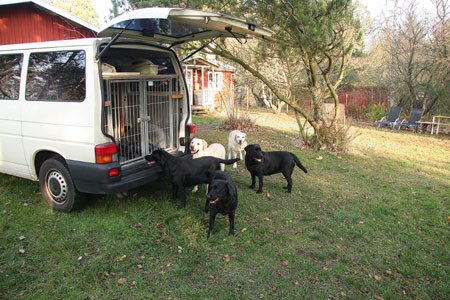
(363, 96)
(39, 21)
(210, 83)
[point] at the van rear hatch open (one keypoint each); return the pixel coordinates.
(177, 25)
(145, 92)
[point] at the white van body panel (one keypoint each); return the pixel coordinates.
(12, 158)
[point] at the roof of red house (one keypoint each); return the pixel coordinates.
(55, 10)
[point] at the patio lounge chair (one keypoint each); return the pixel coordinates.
(392, 119)
(414, 117)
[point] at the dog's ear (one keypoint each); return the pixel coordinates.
(205, 144)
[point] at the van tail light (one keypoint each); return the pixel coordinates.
(192, 128)
(104, 154)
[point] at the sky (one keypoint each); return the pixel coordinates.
(102, 7)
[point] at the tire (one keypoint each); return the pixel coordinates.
(57, 186)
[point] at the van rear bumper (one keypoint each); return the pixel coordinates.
(94, 178)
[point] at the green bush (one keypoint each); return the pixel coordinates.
(377, 111)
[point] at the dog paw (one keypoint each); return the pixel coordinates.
(259, 192)
(251, 187)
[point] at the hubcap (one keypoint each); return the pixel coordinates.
(57, 186)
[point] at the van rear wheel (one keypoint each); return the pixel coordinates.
(57, 186)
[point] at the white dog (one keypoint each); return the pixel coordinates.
(199, 148)
(237, 141)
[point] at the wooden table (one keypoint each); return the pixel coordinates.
(438, 118)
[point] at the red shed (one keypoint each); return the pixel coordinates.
(210, 82)
(363, 96)
(38, 21)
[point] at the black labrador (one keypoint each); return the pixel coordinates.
(260, 163)
(186, 172)
(222, 198)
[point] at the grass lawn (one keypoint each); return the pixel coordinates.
(372, 223)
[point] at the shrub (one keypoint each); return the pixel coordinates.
(333, 138)
(237, 119)
(376, 111)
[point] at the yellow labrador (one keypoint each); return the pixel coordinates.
(237, 141)
(200, 148)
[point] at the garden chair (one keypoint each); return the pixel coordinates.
(414, 117)
(392, 119)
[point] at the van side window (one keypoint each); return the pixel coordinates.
(58, 75)
(10, 68)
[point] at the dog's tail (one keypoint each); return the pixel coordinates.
(228, 161)
(298, 163)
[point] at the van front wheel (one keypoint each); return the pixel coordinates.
(57, 186)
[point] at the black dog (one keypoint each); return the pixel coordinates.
(222, 198)
(260, 163)
(186, 172)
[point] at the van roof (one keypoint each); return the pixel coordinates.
(50, 44)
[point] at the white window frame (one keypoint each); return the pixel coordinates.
(218, 81)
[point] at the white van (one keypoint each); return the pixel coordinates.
(79, 115)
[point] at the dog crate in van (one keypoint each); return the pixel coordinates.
(128, 97)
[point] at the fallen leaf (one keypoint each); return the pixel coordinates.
(21, 238)
(139, 266)
(377, 277)
(122, 280)
(285, 263)
(319, 158)
(25, 204)
(122, 257)
(138, 225)
(268, 196)
(244, 229)
(227, 257)
(21, 251)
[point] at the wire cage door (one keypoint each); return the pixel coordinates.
(142, 115)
